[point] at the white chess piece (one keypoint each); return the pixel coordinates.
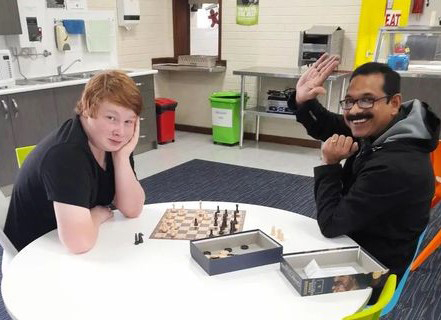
(200, 204)
(273, 231)
(280, 235)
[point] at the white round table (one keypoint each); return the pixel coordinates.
(158, 279)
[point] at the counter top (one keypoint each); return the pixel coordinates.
(290, 73)
(65, 83)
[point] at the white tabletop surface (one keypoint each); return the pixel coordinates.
(158, 279)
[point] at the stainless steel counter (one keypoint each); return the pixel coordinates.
(288, 73)
(180, 67)
(426, 74)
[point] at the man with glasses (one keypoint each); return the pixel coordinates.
(381, 196)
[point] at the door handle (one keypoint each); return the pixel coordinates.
(5, 106)
(15, 107)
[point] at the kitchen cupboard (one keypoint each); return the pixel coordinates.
(26, 118)
(9, 17)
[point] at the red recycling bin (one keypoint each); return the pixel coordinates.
(165, 119)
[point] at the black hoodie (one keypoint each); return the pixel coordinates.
(381, 196)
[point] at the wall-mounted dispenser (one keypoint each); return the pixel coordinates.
(61, 38)
(128, 13)
(34, 31)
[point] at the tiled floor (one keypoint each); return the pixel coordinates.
(262, 155)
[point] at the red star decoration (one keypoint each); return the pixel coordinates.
(213, 16)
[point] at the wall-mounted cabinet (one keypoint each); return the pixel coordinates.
(9, 17)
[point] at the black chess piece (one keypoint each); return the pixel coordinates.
(217, 211)
(211, 235)
(225, 213)
(140, 235)
(136, 239)
(237, 208)
(232, 228)
(235, 217)
(215, 216)
(215, 221)
(195, 222)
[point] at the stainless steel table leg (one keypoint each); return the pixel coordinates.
(259, 89)
(242, 108)
(329, 95)
(257, 127)
(342, 92)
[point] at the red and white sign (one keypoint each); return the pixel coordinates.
(392, 18)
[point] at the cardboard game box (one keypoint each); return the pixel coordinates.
(332, 270)
(237, 251)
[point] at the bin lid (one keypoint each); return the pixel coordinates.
(165, 102)
(226, 94)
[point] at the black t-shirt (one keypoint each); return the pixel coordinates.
(61, 168)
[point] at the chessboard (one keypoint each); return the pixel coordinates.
(191, 224)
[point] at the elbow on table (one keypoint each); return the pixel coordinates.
(132, 212)
(79, 244)
(328, 231)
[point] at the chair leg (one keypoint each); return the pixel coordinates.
(428, 250)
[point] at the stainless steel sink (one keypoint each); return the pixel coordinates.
(51, 79)
(61, 78)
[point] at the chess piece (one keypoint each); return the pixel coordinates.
(200, 204)
(136, 239)
(217, 211)
(237, 208)
(195, 222)
(280, 235)
(225, 214)
(211, 235)
(215, 216)
(173, 208)
(215, 221)
(140, 235)
(273, 231)
(232, 227)
(235, 217)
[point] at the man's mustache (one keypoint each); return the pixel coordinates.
(358, 116)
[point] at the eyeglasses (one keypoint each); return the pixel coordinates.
(363, 103)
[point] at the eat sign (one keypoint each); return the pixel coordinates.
(392, 18)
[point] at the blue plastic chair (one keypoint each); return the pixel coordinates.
(403, 280)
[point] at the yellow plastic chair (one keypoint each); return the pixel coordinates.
(373, 312)
(22, 153)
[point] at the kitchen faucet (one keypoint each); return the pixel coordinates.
(59, 67)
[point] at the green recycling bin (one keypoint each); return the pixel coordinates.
(225, 115)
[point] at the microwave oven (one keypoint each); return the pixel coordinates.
(6, 77)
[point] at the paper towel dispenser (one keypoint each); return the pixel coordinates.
(128, 13)
(317, 40)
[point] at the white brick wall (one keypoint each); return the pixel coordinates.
(151, 38)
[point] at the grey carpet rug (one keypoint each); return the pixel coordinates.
(212, 181)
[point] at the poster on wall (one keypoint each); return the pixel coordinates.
(247, 13)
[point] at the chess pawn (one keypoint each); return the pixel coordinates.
(273, 231)
(280, 235)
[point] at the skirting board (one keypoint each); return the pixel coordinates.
(262, 137)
